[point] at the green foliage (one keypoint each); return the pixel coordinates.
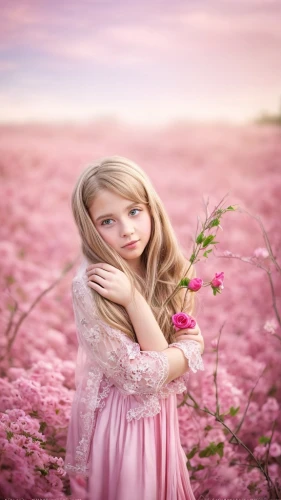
(192, 258)
(233, 411)
(192, 452)
(42, 427)
(215, 222)
(208, 428)
(184, 282)
(264, 440)
(9, 435)
(205, 254)
(208, 240)
(212, 449)
(200, 238)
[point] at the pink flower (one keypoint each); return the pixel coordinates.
(275, 450)
(217, 281)
(182, 320)
(261, 253)
(195, 284)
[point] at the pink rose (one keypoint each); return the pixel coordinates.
(217, 281)
(195, 284)
(182, 320)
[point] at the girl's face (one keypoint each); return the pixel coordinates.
(120, 221)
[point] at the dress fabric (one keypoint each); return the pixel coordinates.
(123, 431)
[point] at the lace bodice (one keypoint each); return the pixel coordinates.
(106, 356)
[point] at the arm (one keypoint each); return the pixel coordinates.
(131, 370)
(113, 352)
(150, 337)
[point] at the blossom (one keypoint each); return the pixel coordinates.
(275, 450)
(182, 320)
(270, 326)
(217, 281)
(195, 284)
(261, 252)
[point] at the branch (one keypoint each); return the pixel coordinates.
(24, 315)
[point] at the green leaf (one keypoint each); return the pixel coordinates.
(215, 291)
(184, 282)
(233, 411)
(205, 254)
(200, 237)
(272, 391)
(192, 452)
(220, 449)
(44, 472)
(208, 428)
(264, 440)
(200, 467)
(9, 435)
(209, 450)
(214, 242)
(230, 208)
(208, 240)
(34, 413)
(42, 427)
(192, 258)
(214, 222)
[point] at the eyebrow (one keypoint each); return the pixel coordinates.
(111, 215)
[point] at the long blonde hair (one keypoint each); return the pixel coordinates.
(162, 258)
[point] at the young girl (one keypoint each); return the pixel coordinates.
(123, 432)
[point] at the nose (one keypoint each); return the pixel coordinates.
(127, 228)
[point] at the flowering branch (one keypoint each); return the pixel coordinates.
(205, 237)
(220, 418)
(255, 261)
(13, 328)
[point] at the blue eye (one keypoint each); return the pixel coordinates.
(136, 209)
(102, 224)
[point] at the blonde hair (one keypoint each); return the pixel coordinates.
(163, 260)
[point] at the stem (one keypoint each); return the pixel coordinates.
(216, 374)
(15, 327)
(218, 419)
(266, 239)
(268, 272)
(247, 406)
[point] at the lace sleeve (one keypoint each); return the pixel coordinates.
(191, 350)
(131, 370)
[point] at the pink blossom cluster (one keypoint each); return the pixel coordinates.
(39, 166)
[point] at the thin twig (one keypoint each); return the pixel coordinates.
(24, 315)
(247, 406)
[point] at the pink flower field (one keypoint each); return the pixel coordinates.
(230, 419)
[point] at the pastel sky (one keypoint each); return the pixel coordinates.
(141, 61)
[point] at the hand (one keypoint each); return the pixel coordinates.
(110, 282)
(190, 334)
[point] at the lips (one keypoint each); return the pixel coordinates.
(130, 243)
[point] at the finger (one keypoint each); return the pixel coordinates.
(95, 286)
(97, 279)
(101, 265)
(98, 272)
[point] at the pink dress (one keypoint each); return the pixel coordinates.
(123, 432)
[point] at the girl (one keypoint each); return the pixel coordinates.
(123, 432)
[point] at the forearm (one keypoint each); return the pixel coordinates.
(148, 332)
(178, 364)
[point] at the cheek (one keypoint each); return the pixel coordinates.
(146, 227)
(107, 236)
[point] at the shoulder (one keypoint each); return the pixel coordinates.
(81, 269)
(80, 288)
